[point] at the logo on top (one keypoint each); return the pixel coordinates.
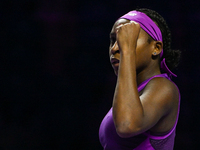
(132, 14)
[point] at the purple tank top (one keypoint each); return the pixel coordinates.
(110, 140)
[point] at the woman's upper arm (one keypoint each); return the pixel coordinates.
(157, 100)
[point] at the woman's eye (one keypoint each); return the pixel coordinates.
(112, 40)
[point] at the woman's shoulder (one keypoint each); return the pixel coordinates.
(162, 83)
(163, 87)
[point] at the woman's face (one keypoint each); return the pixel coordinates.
(143, 50)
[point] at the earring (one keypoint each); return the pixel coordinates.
(154, 53)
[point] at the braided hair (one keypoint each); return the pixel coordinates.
(172, 57)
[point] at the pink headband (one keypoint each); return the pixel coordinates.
(152, 29)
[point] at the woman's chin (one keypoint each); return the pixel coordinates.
(116, 72)
(115, 68)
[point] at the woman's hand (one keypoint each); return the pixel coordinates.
(127, 35)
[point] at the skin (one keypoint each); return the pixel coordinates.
(134, 60)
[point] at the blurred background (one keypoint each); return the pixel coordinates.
(56, 80)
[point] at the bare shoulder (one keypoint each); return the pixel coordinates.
(162, 92)
(162, 80)
(163, 85)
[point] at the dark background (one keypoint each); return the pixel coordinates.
(56, 80)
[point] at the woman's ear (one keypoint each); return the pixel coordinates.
(158, 46)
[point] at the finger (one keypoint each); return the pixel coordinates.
(133, 22)
(119, 26)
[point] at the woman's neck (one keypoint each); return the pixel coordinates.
(148, 73)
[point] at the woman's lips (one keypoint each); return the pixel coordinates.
(114, 62)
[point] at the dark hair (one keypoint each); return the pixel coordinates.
(172, 57)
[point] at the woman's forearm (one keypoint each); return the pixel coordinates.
(127, 108)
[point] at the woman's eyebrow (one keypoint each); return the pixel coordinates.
(112, 34)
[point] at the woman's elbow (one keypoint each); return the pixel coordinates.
(127, 131)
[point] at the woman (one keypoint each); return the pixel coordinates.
(146, 102)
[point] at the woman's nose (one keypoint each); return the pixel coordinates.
(115, 49)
